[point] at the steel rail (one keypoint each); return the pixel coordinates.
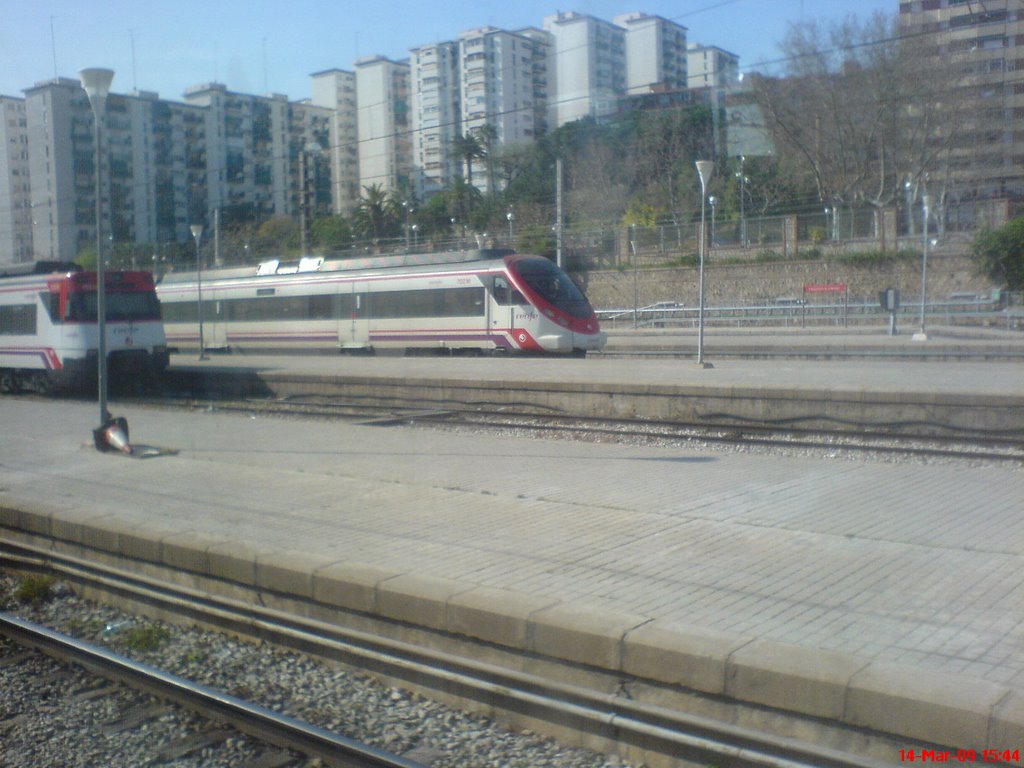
(616, 718)
(257, 721)
(784, 433)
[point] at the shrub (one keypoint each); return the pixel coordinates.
(1000, 254)
(876, 258)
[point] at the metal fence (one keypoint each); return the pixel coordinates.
(1003, 310)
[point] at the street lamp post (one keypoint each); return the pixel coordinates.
(711, 202)
(408, 224)
(96, 82)
(197, 234)
(922, 335)
(743, 193)
(511, 217)
(704, 169)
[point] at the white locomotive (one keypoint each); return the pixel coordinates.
(49, 336)
(474, 301)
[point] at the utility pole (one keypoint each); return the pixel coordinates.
(558, 211)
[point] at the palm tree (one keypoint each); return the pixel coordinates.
(469, 149)
(371, 215)
(487, 134)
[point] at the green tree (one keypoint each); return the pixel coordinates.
(277, 236)
(332, 233)
(462, 200)
(1000, 254)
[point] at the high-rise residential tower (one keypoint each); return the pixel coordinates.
(335, 90)
(385, 140)
(655, 53)
(588, 69)
(15, 183)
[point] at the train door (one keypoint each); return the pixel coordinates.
(354, 326)
(501, 309)
(215, 333)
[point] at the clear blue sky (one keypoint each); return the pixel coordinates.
(259, 46)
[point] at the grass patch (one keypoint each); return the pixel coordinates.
(876, 258)
(147, 637)
(35, 589)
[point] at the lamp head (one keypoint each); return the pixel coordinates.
(96, 82)
(705, 168)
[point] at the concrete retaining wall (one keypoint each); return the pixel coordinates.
(846, 701)
(910, 413)
(761, 283)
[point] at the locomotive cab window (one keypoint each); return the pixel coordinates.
(51, 302)
(81, 307)
(505, 295)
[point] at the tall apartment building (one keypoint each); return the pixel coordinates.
(656, 54)
(710, 67)
(487, 77)
(985, 44)
(166, 165)
(588, 72)
(145, 163)
(309, 161)
(385, 141)
(502, 82)
(335, 90)
(247, 152)
(61, 169)
(15, 185)
(436, 118)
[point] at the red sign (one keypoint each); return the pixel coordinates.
(825, 288)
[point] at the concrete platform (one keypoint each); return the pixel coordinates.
(909, 395)
(890, 598)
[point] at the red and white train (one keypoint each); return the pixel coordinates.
(484, 300)
(49, 337)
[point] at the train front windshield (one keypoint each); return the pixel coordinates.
(554, 286)
(121, 306)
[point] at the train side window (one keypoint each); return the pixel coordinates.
(18, 320)
(51, 301)
(505, 294)
(502, 291)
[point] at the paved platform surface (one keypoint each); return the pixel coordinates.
(944, 341)
(919, 565)
(882, 375)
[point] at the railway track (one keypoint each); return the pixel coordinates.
(259, 722)
(689, 739)
(783, 434)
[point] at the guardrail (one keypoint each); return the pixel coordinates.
(791, 311)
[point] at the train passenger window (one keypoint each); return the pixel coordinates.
(18, 319)
(320, 307)
(444, 302)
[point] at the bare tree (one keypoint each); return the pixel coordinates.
(667, 144)
(861, 109)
